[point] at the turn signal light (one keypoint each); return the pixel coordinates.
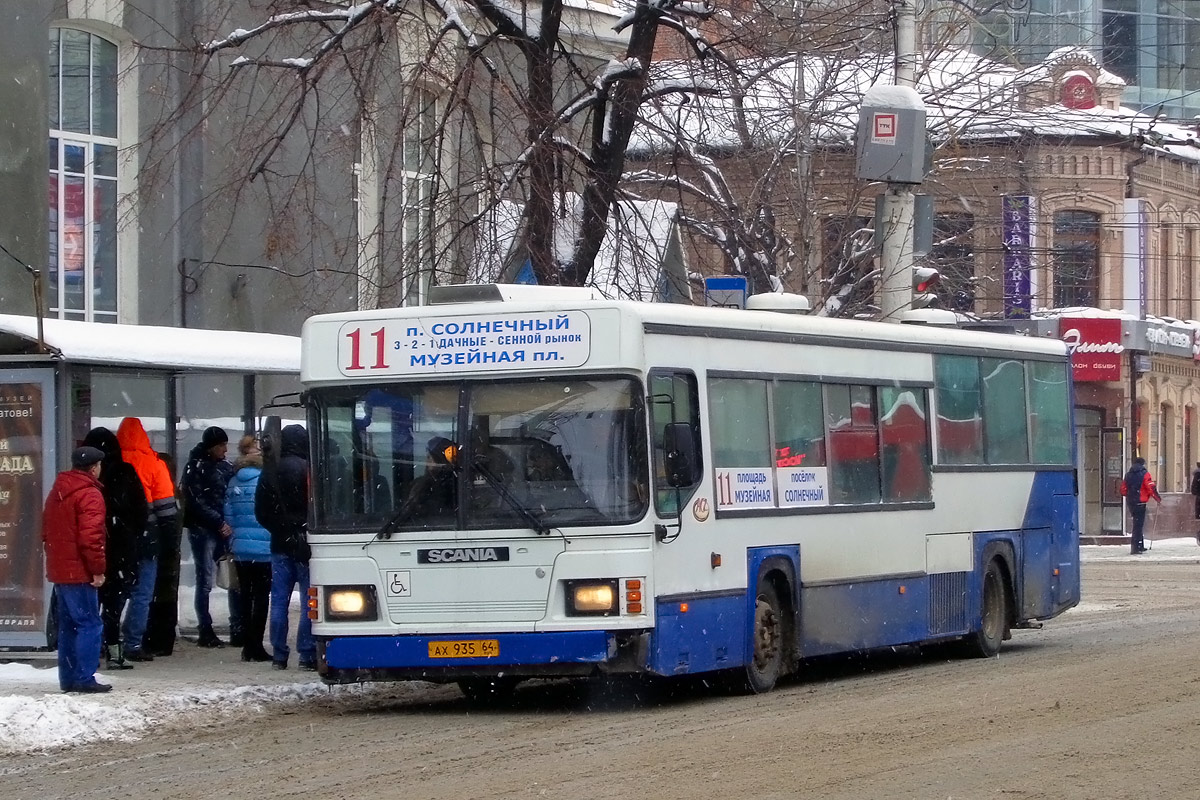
(634, 608)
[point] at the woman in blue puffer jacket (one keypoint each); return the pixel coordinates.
(251, 546)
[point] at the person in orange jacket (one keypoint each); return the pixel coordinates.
(160, 494)
(1137, 488)
(73, 532)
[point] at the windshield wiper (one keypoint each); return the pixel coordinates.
(526, 515)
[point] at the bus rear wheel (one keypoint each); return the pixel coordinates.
(993, 628)
(488, 691)
(770, 641)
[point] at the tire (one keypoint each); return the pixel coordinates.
(771, 641)
(487, 692)
(994, 627)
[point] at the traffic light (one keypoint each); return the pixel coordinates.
(925, 281)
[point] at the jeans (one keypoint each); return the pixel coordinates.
(204, 548)
(138, 612)
(285, 574)
(79, 634)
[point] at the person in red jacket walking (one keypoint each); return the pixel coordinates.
(73, 532)
(1137, 488)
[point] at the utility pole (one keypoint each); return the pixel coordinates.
(899, 200)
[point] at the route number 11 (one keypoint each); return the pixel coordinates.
(356, 349)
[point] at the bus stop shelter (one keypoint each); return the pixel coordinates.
(61, 378)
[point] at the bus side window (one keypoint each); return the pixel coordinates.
(673, 400)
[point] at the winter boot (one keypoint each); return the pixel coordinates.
(116, 657)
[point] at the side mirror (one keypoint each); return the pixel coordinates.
(680, 454)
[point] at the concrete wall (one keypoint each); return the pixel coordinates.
(23, 165)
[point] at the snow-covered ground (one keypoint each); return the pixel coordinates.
(200, 684)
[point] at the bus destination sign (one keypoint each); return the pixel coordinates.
(475, 343)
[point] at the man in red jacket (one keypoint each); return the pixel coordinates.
(73, 532)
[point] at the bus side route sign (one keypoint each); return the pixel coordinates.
(476, 343)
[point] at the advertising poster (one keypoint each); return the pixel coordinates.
(21, 495)
(1095, 346)
(1017, 233)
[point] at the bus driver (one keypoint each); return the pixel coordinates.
(434, 494)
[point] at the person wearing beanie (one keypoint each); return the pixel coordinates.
(160, 494)
(205, 477)
(126, 515)
(73, 534)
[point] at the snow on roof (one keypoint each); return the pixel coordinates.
(1114, 313)
(966, 97)
(153, 346)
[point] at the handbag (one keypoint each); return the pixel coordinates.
(226, 574)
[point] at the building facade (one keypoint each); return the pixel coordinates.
(1153, 45)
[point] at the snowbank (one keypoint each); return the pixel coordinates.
(56, 720)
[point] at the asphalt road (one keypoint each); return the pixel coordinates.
(1102, 703)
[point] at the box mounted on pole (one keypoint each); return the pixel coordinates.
(890, 140)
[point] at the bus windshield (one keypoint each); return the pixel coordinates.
(475, 455)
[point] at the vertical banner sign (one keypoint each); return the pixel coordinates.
(21, 493)
(1017, 239)
(1134, 262)
(1095, 346)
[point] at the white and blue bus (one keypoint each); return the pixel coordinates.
(522, 482)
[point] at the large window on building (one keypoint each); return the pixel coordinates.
(1178, 37)
(1028, 31)
(82, 268)
(417, 193)
(1076, 258)
(1119, 38)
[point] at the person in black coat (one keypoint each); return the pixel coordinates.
(281, 506)
(126, 514)
(1196, 494)
(204, 480)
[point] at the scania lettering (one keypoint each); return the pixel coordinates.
(551, 484)
(449, 555)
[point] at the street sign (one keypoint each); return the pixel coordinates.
(727, 291)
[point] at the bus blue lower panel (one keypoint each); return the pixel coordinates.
(399, 652)
(864, 615)
(699, 633)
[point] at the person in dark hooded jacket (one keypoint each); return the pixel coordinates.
(126, 516)
(204, 480)
(281, 506)
(1137, 488)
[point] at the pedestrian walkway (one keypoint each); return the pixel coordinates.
(1165, 549)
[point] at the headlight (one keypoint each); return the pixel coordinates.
(596, 598)
(350, 603)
